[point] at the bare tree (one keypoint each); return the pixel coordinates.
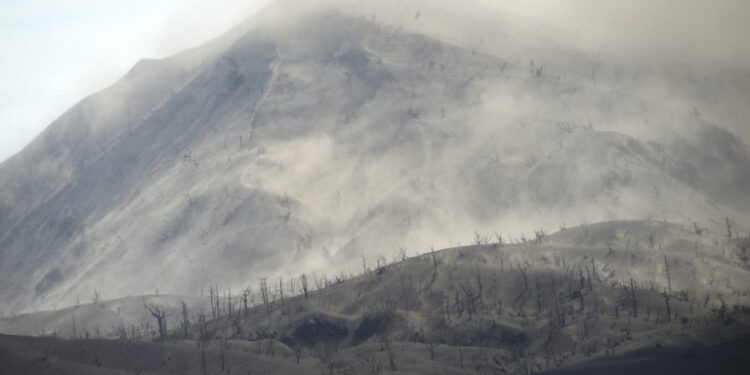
(204, 363)
(281, 293)
(721, 312)
(185, 320)
(245, 294)
(374, 365)
(96, 299)
(538, 296)
(477, 238)
(204, 334)
(667, 294)
(328, 356)
(230, 308)
(265, 297)
(743, 251)
(161, 315)
(729, 229)
(297, 352)
(434, 263)
(213, 295)
(303, 284)
(365, 270)
(401, 256)
(539, 236)
(631, 290)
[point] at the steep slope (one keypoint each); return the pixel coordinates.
(337, 136)
(588, 299)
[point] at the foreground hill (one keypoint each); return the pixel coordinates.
(23, 355)
(287, 147)
(628, 295)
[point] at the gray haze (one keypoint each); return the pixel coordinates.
(702, 29)
(312, 135)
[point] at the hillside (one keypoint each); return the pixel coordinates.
(583, 300)
(287, 147)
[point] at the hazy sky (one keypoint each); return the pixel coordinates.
(54, 52)
(715, 28)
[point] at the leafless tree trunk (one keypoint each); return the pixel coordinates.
(538, 296)
(211, 297)
(204, 363)
(160, 314)
(303, 283)
(667, 294)
(729, 229)
(265, 298)
(245, 294)
(185, 320)
(631, 289)
(230, 308)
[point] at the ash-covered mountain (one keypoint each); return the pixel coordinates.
(330, 134)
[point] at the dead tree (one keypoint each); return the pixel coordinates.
(477, 238)
(204, 363)
(581, 286)
(389, 351)
(96, 298)
(328, 356)
(281, 293)
(365, 270)
(519, 301)
(222, 356)
(161, 315)
(237, 323)
(213, 294)
(721, 312)
(218, 306)
(303, 284)
(434, 263)
(265, 298)
(245, 294)
(559, 312)
(401, 255)
(667, 294)
(211, 297)
(204, 334)
(631, 289)
(729, 229)
(538, 296)
(539, 236)
(230, 308)
(480, 287)
(743, 251)
(374, 365)
(185, 321)
(471, 297)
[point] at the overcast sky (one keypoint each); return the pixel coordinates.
(54, 52)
